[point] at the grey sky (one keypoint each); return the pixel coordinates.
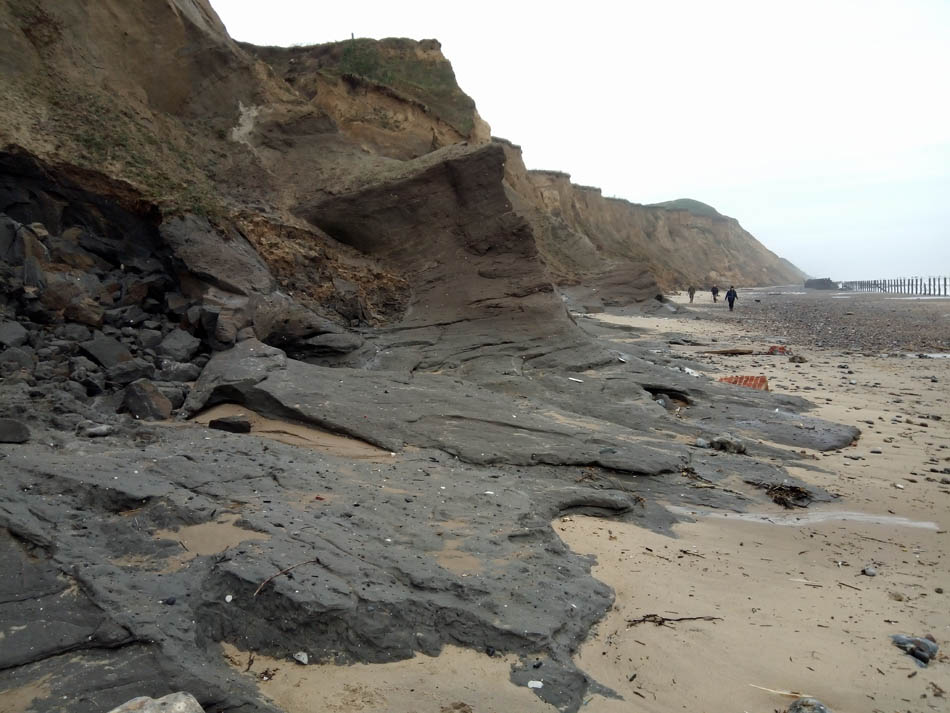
(823, 127)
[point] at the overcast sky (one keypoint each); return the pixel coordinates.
(823, 127)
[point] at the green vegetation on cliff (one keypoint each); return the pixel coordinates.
(690, 206)
(415, 70)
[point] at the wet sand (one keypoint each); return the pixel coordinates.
(780, 597)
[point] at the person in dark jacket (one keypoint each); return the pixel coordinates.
(692, 292)
(715, 292)
(731, 297)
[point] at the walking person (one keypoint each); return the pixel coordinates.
(731, 297)
(715, 292)
(692, 293)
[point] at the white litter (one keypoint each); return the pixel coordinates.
(228, 598)
(535, 684)
(579, 381)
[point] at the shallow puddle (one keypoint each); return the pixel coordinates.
(209, 538)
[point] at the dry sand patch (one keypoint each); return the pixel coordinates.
(298, 434)
(796, 611)
(457, 681)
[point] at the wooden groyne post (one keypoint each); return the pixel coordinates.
(923, 286)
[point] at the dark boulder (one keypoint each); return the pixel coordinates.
(232, 424)
(105, 351)
(144, 401)
(12, 334)
(178, 371)
(13, 431)
(128, 371)
(17, 359)
(227, 261)
(179, 345)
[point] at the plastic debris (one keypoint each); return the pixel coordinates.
(579, 381)
(753, 382)
(922, 648)
(302, 658)
(535, 684)
(228, 598)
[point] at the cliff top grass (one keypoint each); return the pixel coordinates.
(417, 70)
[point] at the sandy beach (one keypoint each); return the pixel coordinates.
(736, 610)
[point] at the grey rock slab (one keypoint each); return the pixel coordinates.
(13, 431)
(180, 702)
(226, 261)
(36, 591)
(331, 344)
(179, 345)
(12, 334)
(425, 410)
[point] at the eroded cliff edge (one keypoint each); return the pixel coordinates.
(186, 224)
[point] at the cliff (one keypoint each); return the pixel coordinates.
(591, 240)
(327, 237)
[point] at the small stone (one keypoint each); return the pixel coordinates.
(728, 443)
(869, 571)
(173, 703)
(939, 590)
(13, 431)
(231, 424)
(808, 705)
(90, 429)
(702, 443)
(178, 371)
(302, 658)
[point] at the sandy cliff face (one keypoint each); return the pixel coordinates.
(681, 242)
(395, 97)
